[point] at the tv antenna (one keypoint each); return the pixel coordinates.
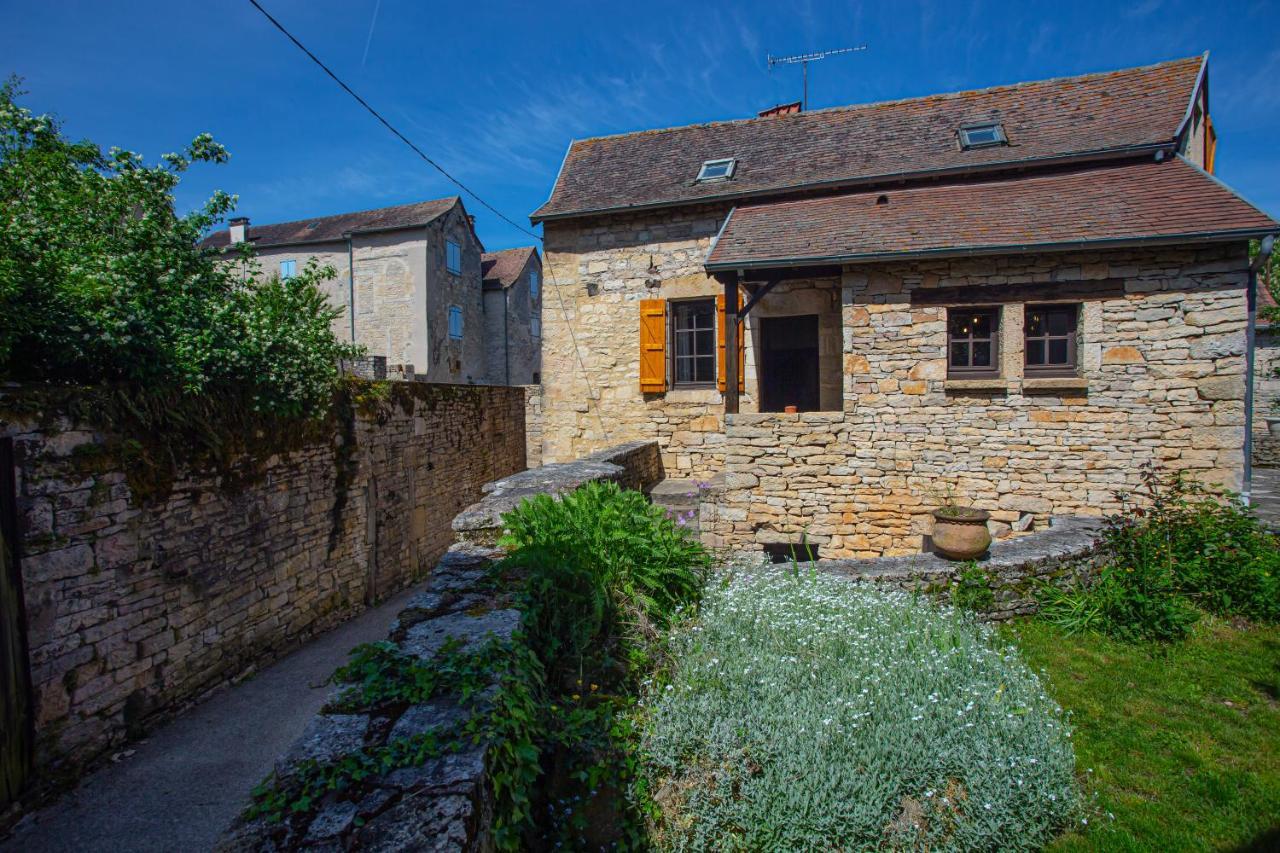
(804, 59)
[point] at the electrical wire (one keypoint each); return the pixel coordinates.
(591, 394)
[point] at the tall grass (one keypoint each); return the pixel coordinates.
(805, 712)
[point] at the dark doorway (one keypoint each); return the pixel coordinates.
(15, 678)
(789, 363)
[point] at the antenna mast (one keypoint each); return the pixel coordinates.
(804, 59)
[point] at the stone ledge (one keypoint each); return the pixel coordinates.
(1056, 383)
(1068, 548)
(637, 465)
(995, 383)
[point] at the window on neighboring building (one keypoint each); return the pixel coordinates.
(288, 269)
(536, 326)
(982, 135)
(693, 339)
(973, 342)
(534, 284)
(455, 322)
(1050, 344)
(452, 257)
(717, 170)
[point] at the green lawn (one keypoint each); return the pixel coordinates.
(1183, 741)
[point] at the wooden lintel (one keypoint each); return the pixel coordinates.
(756, 296)
(1041, 291)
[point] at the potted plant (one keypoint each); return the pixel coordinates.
(960, 532)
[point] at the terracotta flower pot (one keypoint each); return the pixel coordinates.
(790, 410)
(961, 534)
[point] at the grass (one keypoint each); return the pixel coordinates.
(1183, 740)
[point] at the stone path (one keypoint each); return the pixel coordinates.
(185, 783)
(1266, 496)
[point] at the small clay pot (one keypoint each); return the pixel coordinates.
(790, 410)
(961, 534)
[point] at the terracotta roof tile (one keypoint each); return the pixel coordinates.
(1108, 202)
(331, 228)
(501, 269)
(1045, 119)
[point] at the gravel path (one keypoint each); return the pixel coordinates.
(184, 784)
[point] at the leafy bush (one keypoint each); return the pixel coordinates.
(100, 281)
(604, 571)
(808, 713)
(1176, 547)
(600, 562)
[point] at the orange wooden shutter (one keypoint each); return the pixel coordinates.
(1210, 145)
(653, 345)
(742, 345)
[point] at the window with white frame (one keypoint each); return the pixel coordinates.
(982, 135)
(536, 326)
(455, 322)
(452, 257)
(717, 170)
(534, 284)
(288, 269)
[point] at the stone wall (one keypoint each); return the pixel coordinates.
(1161, 381)
(137, 605)
(1266, 400)
(1064, 553)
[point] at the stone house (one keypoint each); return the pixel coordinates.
(1266, 371)
(1016, 295)
(411, 271)
(513, 315)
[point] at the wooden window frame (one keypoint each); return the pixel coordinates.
(971, 372)
(1072, 366)
(674, 307)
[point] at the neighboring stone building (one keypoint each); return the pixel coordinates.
(1019, 295)
(1266, 388)
(513, 315)
(416, 285)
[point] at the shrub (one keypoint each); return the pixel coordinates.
(101, 282)
(600, 561)
(805, 712)
(1175, 547)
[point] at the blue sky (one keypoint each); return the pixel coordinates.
(496, 91)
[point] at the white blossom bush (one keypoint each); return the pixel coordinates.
(806, 712)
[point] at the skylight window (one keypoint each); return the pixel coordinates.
(982, 135)
(717, 170)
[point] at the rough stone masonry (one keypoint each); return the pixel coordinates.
(136, 607)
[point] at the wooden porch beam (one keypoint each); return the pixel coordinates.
(730, 282)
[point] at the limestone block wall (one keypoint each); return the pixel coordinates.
(390, 283)
(601, 269)
(1162, 363)
(533, 418)
(137, 606)
(1266, 400)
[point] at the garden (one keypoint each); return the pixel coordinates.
(661, 697)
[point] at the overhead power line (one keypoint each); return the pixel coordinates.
(564, 311)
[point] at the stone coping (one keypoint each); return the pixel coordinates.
(635, 465)
(1068, 550)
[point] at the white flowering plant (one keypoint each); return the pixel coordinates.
(807, 712)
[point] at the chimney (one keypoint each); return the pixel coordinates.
(471, 217)
(780, 110)
(239, 229)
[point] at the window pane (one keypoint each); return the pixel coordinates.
(684, 343)
(706, 369)
(706, 341)
(1059, 322)
(959, 354)
(684, 370)
(959, 325)
(1035, 324)
(981, 325)
(981, 353)
(1035, 352)
(1058, 351)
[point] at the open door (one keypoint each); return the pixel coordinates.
(789, 363)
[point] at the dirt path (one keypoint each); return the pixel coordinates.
(185, 783)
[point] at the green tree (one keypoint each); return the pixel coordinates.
(101, 281)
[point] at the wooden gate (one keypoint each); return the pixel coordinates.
(15, 677)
